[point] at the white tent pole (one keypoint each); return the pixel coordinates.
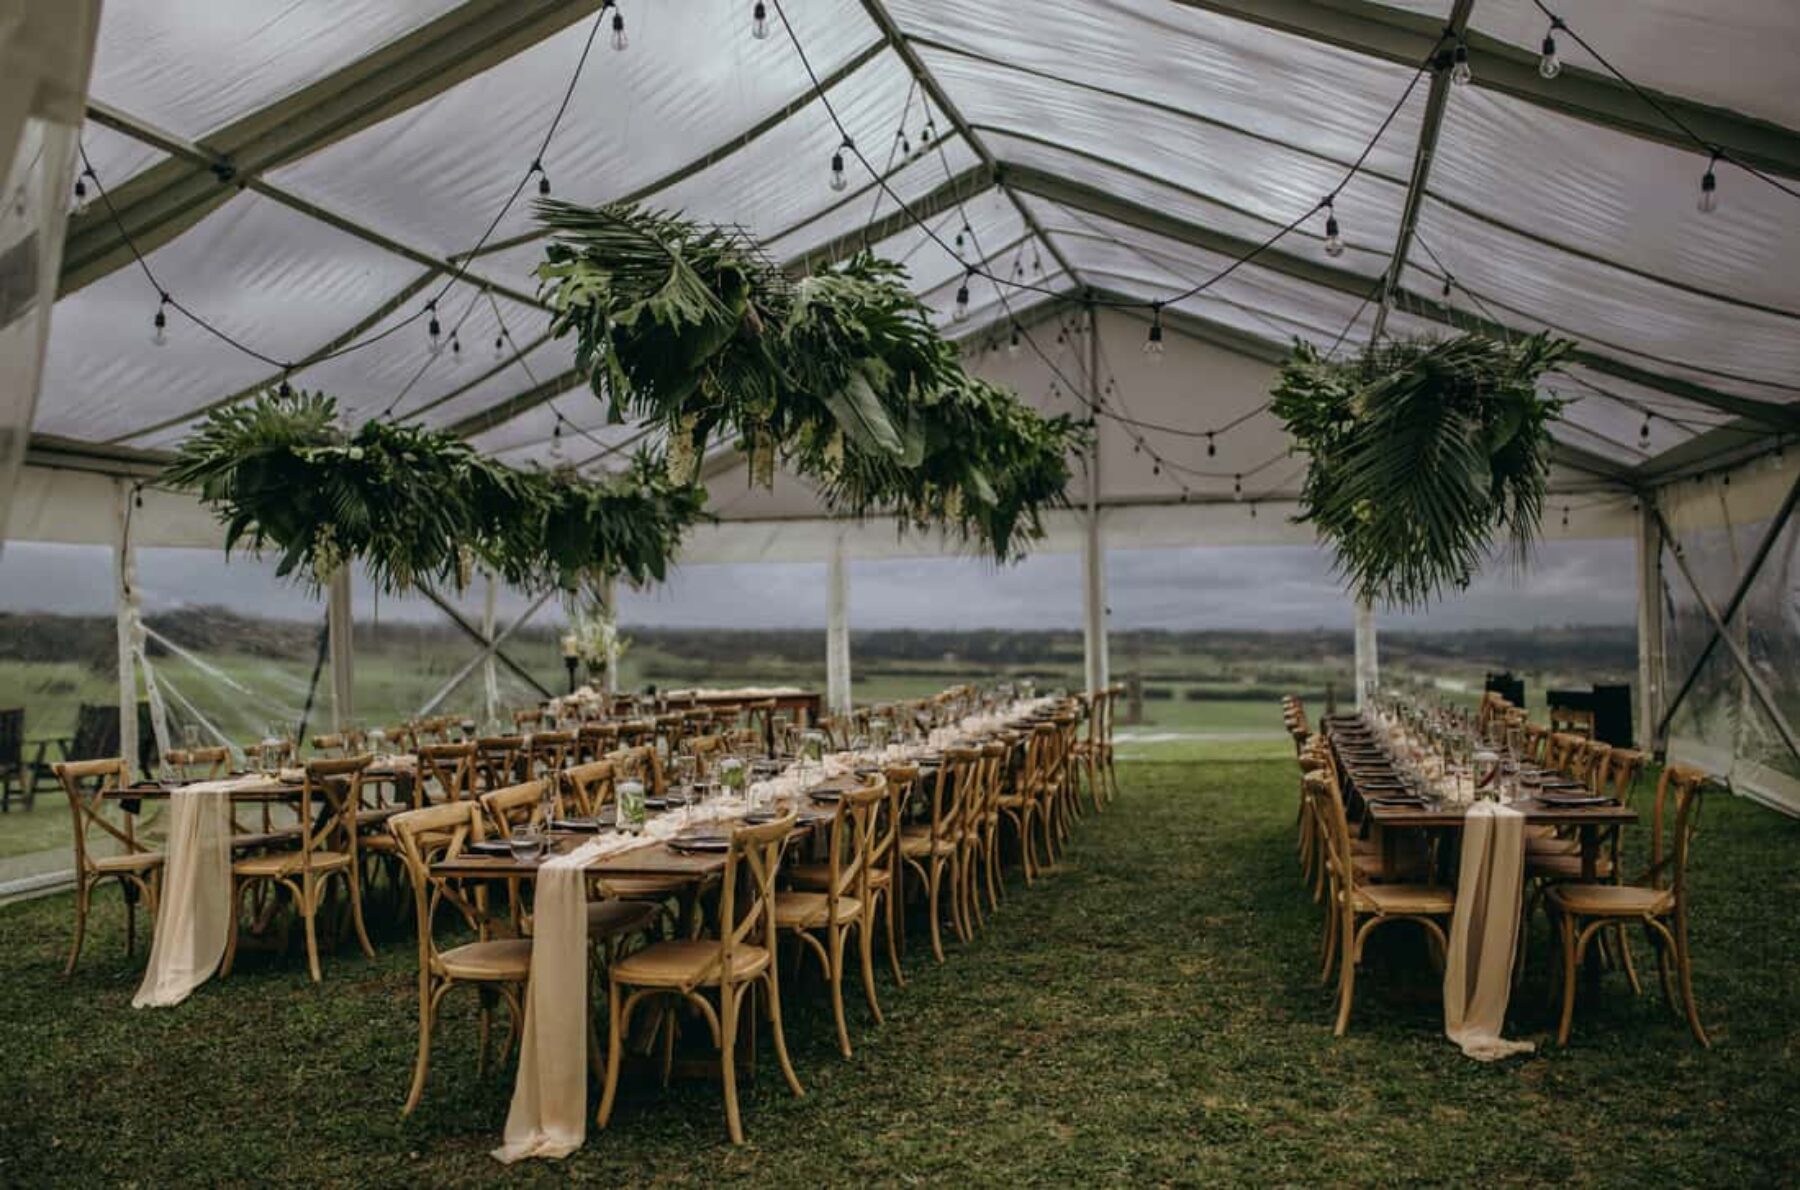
(837, 631)
(609, 598)
(338, 613)
(1093, 548)
(125, 604)
(1652, 659)
(1368, 659)
(490, 678)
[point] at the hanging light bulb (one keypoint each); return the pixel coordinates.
(455, 349)
(1037, 263)
(1212, 448)
(962, 301)
(1012, 344)
(838, 180)
(1237, 487)
(1549, 65)
(1644, 432)
(759, 21)
(619, 41)
(1153, 344)
(1334, 242)
(159, 332)
(537, 167)
(1565, 523)
(499, 348)
(959, 238)
(1709, 188)
(81, 191)
(556, 444)
(1460, 74)
(434, 333)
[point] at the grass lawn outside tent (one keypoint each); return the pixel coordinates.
(1148, 1014)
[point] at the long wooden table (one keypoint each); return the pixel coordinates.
(1388, 821)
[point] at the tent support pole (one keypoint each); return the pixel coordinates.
(1763, 548)
(1368, 662)
(609, 598)
(485, 658)
(1653, 661)
(1093, 547)
(125, 605)
(474, 634)
(490, 678)
(1720, 632)
(837, 630)
(339, 625)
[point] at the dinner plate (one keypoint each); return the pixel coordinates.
(1552, 798)
(489, 847)
(578, 826)
(701, 843)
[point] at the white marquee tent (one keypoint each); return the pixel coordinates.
(303, 179)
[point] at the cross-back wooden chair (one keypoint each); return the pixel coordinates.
(1657, 900)
(338, 743)
(980, 823)
(527, 719)
(740, 959)
(100, 824)
(587, 788)
(325, 835)
(548, 753)
(515, 808)
(15, 781)
(199, 764)
(932, 850)
(499, 967)
(497, 760)
(1537, 743)
(450, 767)
(1559, 754)
(707, 751)
(1587, 762)
(1019, 801)
(1362, 908)
(594, 740)
(1572, 722)
(823, 918)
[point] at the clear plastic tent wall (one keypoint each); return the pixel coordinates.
(305, 178)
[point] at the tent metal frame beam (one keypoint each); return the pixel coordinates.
(490, 648)
(475, 634)
(1080, 196)
(1721, 632)
(1429, 127)
(1384, 32)
(971, 183)
(175, 146)
(928, 82)
(1720, 620)
(161, 202)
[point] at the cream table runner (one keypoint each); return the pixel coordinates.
(193, 916)
(1484, 931)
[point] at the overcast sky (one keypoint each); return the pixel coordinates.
(1268, 587)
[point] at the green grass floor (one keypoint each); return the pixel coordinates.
(1149, 1014)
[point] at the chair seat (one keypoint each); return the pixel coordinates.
(288, 863)
(805, 910)
(607, 918)
(686, 963)
(818, 875)
(506, 960)
(131, 861)
(1551, 845)
(1404, 898)
(1611, 900)
(921, 843)
(1564, 865)
(639, 888)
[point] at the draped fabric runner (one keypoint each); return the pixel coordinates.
(193, 917)
(1484, 932)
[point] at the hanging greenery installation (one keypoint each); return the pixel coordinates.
(1424, 455)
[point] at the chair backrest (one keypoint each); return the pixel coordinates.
(451, 766)
(549, 753)
(1587, 762)
(640, 764)
(1537, 743)
(330, 795)
(900, 778)
(200, 764)
(527, 718)
(497, 760)
(1673, 820)
(594, 740)
(88, 784)
(96, 732)
(707, 750)
(449, 828)
(1561, 751)
(588, 786)
(1572, 722)
(338, 743)
(852, 840)
(12, 739)
(747, 892)
(956, 779)
(1334, 826)
(1623, 768)
(515, 807)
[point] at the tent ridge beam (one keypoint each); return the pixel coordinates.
(1381, 31)
(1429, 127)
(166, 199)
(928, 82)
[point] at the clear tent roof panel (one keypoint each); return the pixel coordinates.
(272, 278)
(865, 201)
(483, 391)
(693, 81)
(193, 66)
(993, 235)
(116, 158)
(1156, 195)
(1722, 52)
(1291, 89)
(1617, 197)
(992, 304)
(1280, 185)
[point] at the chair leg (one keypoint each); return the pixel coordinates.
(835, 975)
(130, 893)
(780, 1038)
(423, 1065)
(356, 913)
(931, 900)
(1346, 971)
(614, 1058)
(1623, 943)
(891, 904)
(309, 915)
(231, 935)
(1684, 960)
(82, 893)
(865, 942)
(728, 1013)
(1665, 972)
(1570, 961)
